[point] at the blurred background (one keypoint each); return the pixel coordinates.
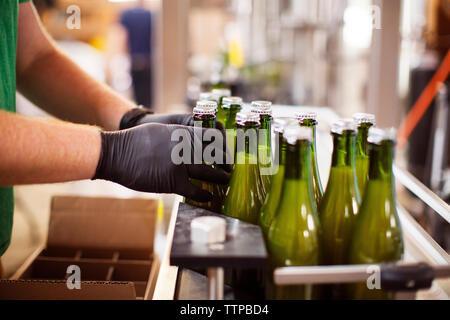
(351, 56)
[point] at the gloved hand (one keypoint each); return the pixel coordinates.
(140, 158)
(138, 116)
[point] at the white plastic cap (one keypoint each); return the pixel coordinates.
(205, 107)
(227, 101)
(306, 115)
(208, 96)
(245, 116)
(363, 118)
(261, 107)
(279, 124)
(294, 133)
(221, 92)
(343, 125)
(377, 135)
(208, 229)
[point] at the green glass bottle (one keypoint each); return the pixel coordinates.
(205, 113)
(294, 235)
(273, 196)
(220, 94)
(231, 106)
(339, 207)
(363, 123)
(378, 234)
(245, 194)
(264, 110)
(309, 120)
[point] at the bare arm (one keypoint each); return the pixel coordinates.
(46, 151)
(52, 81)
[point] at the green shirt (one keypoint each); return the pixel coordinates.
(8, 42)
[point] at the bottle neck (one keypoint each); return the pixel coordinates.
(298, 161)
(266, 126)
(207, 120)
(247, 139)
(233, 109)
(381, 159)
(312, 124)
(361, 140)
(343, 149)
(280, 149)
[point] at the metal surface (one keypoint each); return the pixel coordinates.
(215, 283)
(244, 246)
(422, 192)
(337, 274)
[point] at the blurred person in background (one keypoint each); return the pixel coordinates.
(112, 139)
(137, 23)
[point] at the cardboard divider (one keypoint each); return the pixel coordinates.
(110, 240)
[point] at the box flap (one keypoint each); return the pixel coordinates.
(57, 290)
(88, 222)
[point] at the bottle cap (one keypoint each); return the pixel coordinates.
(208, 229)
(293, 133)
(377, 135)
(205, 107)
(279, 124)
(245, 116)
(227, 101)
(343, 125)
(306, 115)
(209, 96)
(363, 118)
(221, 92)
(261, 107)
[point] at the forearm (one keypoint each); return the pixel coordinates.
(60, 87)
(43, 151)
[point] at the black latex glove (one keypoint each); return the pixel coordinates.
(138, 116)
(140, 159)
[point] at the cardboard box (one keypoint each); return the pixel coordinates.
(110, 240)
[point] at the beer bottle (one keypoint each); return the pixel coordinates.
(339, 206)
(245, 194)
(363, 122)
(309, 120)
(294, 233)
(231, 106)
(220, 94)
(264, 110)
(205, 113)
(378, 234)
(272, 200)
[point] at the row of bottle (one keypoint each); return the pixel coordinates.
(301, 224)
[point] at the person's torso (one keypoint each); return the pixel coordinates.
(8, 43)
(137, 22)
